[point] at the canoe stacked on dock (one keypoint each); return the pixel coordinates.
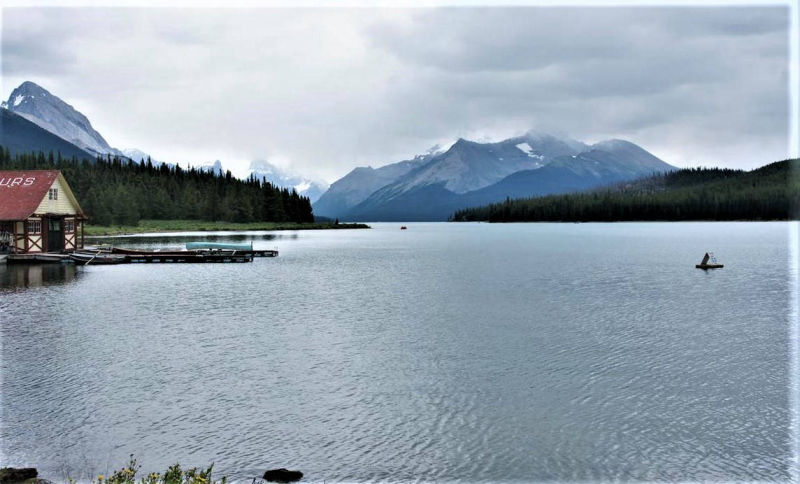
(238, 248)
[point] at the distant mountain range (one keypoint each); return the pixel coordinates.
(427, 187)
(71, 133)
(433, 186)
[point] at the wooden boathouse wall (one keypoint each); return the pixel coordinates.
(38, 213)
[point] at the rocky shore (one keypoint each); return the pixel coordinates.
(29, 475)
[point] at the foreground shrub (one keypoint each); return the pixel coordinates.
(173, 475)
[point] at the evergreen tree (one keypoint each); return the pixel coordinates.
(113, 190)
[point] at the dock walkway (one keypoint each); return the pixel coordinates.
(133, 256)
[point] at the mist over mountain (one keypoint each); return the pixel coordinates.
(307, 187)
(138, 156)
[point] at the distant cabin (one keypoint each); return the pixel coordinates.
(38, 213)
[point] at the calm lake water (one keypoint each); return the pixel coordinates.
(445, 352)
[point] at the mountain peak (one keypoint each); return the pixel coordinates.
(32, 88)
(26, 92)
(38, 105)
(461, 144)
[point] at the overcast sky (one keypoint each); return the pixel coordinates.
(321, 91)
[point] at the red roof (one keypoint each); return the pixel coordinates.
(21, 192)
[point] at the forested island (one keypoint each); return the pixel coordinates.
(771, 192)
(116, 191)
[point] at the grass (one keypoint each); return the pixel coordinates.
(147, 226)
(173, 475)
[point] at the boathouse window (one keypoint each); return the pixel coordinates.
(53, 193)
(34, 226)
(69, 226)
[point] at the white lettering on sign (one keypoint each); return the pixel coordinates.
(15, 182)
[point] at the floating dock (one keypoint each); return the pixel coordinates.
(250, 252)
(97, 258)
(105, 256)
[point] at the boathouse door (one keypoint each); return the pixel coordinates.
(55, 235)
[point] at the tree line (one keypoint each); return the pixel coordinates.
(771, 192)
(119, 191)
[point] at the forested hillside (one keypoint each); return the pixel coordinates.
(115, 191)
(771, 192)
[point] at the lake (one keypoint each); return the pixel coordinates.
(445, 352)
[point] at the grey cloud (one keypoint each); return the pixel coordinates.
(521, 38)
(322, 90)
(21, 57)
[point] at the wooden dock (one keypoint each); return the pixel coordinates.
(264, 253)
(251, 253)
(186, 258)
(134, 256)
(37, 258)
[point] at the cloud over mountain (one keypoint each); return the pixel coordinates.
(695, 85)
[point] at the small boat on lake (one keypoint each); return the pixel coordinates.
(96, 258)
(218, 246)
(709, 262)
(403, 227)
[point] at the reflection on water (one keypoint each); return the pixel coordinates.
(35, 275)
(160, 240)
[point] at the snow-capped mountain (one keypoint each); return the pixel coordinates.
(469, 165)
(306, 187)
(471, 173)
(39, 106)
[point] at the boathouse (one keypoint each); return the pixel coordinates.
(38, 213)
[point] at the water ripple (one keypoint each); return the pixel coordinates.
(468, 352)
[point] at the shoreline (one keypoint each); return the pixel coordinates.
(619, 221)
(169, 226)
